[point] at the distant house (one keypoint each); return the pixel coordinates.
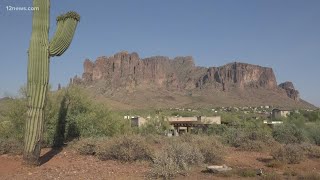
(136, 121)
(180, 124)
(186, 124)
(278, 113)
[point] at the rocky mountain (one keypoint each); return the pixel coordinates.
(290, 90)
(126, 76)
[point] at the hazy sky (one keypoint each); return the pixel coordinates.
(282, 34)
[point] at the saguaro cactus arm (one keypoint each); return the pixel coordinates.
(66, 26)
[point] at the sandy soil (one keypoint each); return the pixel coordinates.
(66, 164)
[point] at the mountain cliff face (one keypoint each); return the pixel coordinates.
(126, 71)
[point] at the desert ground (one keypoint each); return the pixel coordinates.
(67, 164)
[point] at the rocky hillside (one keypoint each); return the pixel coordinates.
(125, 78)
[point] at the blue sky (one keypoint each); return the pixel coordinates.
(282, 34)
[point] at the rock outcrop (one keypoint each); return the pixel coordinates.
(127, 71)
(239, 75)
(290, 90)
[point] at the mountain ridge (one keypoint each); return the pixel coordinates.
(125, 74)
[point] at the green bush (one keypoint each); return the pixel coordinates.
(216, 129)
(313, 132)
(289, 153)
(249, 136)
(12, 124)
(288, 133)
(72, 114)
(313, 116)
(155, 125)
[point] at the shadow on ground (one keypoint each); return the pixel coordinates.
(49, 155)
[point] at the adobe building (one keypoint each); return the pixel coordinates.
(279, 113)
(186, 124)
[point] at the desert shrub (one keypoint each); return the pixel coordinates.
(275, 164)
(87, 146)
(125, 148)
(313, 132)
(6, 128)
(247, 172)
(176, 157)
(231, 119)
(216, 129)
(184, 154)
(211, 149)
(309, 176)
(155, 125)
(250, 137)
(155, 141)
(90, 118)
(290, 173)
(250, 145)
(164, 166)
(183, 113)
(289, 153)
(233, 136)
(310, 150)
(71, 114)
(10, 146)
(288, 133)
(312, 116)
(272, 176)
(12, 125)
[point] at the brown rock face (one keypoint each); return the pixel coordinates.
(126, 71)
(290, 90)
(239, 75)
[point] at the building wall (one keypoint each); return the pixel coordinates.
(182, 118)
(285, 113)
(141, 121)
(276, 114)
(211, 120)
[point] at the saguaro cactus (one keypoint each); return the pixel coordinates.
(40, 50)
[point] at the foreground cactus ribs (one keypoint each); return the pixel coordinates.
(40, 50)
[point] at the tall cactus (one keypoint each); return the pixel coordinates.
(40, 50)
